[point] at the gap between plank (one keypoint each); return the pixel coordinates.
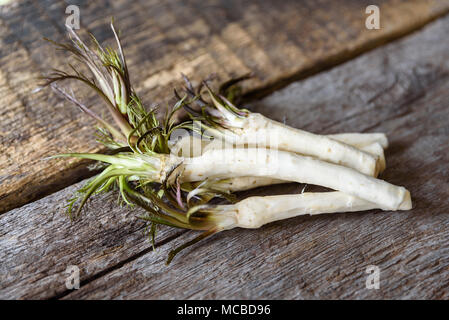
(337, 59)
(120, 264)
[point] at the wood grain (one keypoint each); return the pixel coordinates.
(401, 89)
(278, 41)
(39, 242)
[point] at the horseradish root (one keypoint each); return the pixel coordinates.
(176, 182)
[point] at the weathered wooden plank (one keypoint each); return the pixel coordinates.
(38, 243)
(401, 89)
(277, 41)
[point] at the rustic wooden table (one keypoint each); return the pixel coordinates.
(316, 67)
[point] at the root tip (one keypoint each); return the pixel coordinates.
(407, 202)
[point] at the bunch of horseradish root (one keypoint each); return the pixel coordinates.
(222, 149)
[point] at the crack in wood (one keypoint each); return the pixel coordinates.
(118, 265)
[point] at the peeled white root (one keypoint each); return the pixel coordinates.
(246, 183)
(376, 150)
(371, 143)
(254, 212)
(193, 145)
(358, 140)
(293, 167)
(258, 130)
(361, 139)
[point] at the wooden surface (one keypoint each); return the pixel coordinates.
(279, 41)
(401, 89)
